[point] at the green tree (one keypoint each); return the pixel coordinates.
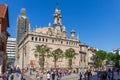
(56, 54)
(70, 54)
(115, 57)
(110, 56)
(43, 51)
(99, 57)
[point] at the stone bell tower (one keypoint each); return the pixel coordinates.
(23, 24)
(57, 20)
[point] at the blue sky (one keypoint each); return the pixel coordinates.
(97, 22)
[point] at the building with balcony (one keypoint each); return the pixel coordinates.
(90, 57)
(4, 23)
(83, 56)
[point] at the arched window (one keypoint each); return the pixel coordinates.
(39, 39)
(61, 42)
(43, 40)
(53, 41)
(32, 38)
(36, 39)
(46, 40)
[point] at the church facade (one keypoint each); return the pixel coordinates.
(54, 37)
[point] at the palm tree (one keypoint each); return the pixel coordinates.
(56, 54)
(43, 50)
(70, 54)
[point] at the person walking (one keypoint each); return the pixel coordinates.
(109, 74)
(53, 75)
(48, 76)
(12, 77)
(105, 75)
(4, 76)
(37, 76)
(118, 71)
(41, 75)
(80, 76)
(7, 75)
(112, 77)
(58, 77)
(89, 74)
(101, 75)
(30, 71)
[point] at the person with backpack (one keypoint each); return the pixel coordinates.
(7, 75)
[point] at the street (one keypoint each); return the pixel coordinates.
(69, 77)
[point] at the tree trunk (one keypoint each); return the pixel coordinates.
(43, 57)
(70, 63)
(55, 63)
(39, 59)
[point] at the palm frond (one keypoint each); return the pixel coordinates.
(70, 53)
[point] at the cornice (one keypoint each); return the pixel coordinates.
(54, 37)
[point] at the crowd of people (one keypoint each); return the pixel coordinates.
(107, 74)
(100, 74)
(53, 74)
(85, 74)
(11, 72)
(57, 74)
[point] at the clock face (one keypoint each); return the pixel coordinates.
(58, 28)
